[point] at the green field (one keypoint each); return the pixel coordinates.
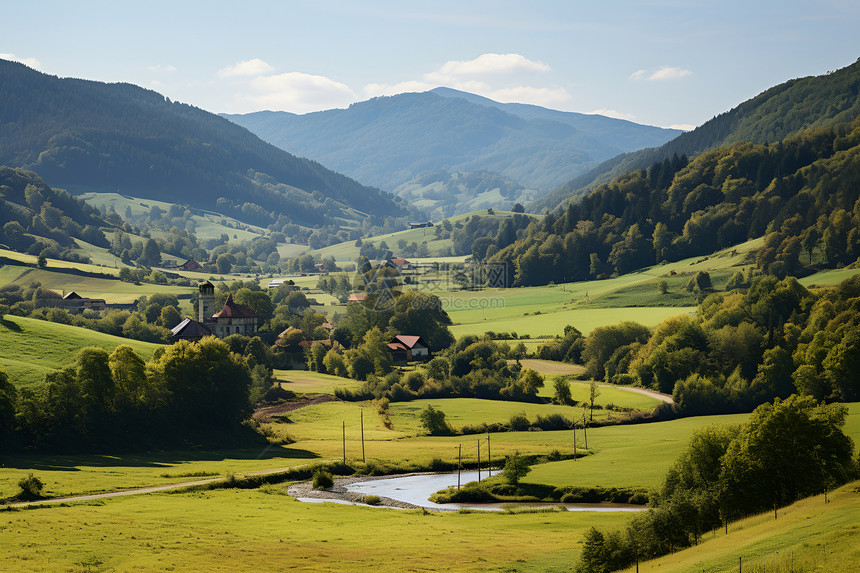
(32, 348)
(160, 531)
(209, 225)
(232, 530)
(348, 252)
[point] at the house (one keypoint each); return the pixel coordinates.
(278, 283)
(73, 302)
(189, 265)
(406, 348)
(398, 263)
(420, 225)
(357, 297)
(190, 329)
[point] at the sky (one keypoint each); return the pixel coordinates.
(670, 63)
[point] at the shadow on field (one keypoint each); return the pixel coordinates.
(9, 325)
(152, 459)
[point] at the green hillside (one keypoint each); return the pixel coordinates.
(32, 348)
(801, 192)
(91, 136)
(775, 114)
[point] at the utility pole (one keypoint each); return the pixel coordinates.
(585, 430)
(459, 462)
(489, 457)
(344, 441)
(479, 460)
(362, 436)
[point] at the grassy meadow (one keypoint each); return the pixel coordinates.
(228, 530)
(111, 290)
(32, 348)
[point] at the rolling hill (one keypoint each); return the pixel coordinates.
(393, 142)
(92, 136)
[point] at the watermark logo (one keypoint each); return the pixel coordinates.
(380, 286)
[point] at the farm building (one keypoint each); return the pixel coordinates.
(189, 265)
(190, 329)
(406, 348)
(73, 302)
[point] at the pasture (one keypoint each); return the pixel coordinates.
(227, 530)
(111, 290)
(32, 348)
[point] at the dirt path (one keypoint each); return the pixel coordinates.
(550, 367)
(143, 490)
(269, 411)
(656, 395)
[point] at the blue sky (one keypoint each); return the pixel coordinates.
(667, 63)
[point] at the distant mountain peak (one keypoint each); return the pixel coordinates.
(390, 142)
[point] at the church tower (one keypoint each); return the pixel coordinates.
(206, 302)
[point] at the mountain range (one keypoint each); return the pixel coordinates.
(444, 148)
(92, 136)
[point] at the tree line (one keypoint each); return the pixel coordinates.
(788, 450)
(188, 392)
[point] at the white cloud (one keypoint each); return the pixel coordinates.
(253, 67)
(299, 93)
(159, 68)
(499, 77)
(613, 113)
(31, 62)
(683, 126)
(664, 73)
(492, 64)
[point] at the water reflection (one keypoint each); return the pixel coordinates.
(417, 489)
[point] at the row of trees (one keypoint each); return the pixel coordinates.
(787, 450)
(187, 391)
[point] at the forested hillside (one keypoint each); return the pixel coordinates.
(91, 136)
(391, 141)
(773, 115)
(802, 193)
(42, 221)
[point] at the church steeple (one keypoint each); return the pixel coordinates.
(205, 302)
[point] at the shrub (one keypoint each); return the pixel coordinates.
(323, 479)
(519, 422)
(434, 422)
(372, 499)
(553, 422)
(31, 488)
(516, 467)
